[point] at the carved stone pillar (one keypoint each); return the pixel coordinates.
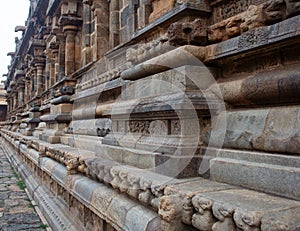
(60, 64)
(34, 86)
(54, 73)
(9, 108)
(53, 67)
(114, 24)
(72, 48)
(40, 78)
(101, 32)
(47, 69)
(70, 33)
(21, 95)
(15, 97)
(27, 91)
(87, 22)
(144, 12)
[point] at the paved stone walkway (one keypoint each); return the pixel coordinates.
(16, 209)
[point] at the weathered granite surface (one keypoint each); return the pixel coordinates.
(158, 115)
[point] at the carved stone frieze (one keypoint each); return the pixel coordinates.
(103, 78)
(147, 51)
(203, 219)
(141, 127)
(225, 9)
(254, 16)
(128, 181)
(252, 38)
(170, 208)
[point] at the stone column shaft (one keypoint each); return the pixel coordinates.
(70, 32)
(47, 72)
(60, 64)
(114, 24)
(86, 49)
(15, 104)
(101, 32)
(40, 78)
(34, 86)
(144, 12)
(21, 96)
(27, 91)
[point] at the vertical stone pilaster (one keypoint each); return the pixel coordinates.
(101, 32)
(15, 103)
(60, 64)
(47, 70)
(54, 75)
(39, 78)
(114, 24)
(21, 96)
(87, 23)
(70, 33)
(27, 91)
(144, 12)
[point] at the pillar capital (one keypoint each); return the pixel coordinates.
(70, 22)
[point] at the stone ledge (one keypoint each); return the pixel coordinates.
(217, 205)
(249, 43)
(85, 190)
(264, 37)
(208, 205)
(275, 179)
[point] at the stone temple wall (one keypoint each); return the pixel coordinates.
(164, 115)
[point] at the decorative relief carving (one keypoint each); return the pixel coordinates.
(70, 160)
(154, 127)
(204, 218)
(124, 180)
(175, 127)
(103, 78)
(194, 33)
(169, 208)
(247, 220)
(188, 211)
(227, 9)
(148, 50)
(224, 213)
(133, 186)
(254, 16)
(145, 196)
(252, 38)
(139, 127)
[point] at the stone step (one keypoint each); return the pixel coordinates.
(272, 173)
(117, 193)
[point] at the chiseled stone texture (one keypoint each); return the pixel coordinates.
(275, 129)
(275, 173)
(122, 96)
(285, 220)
